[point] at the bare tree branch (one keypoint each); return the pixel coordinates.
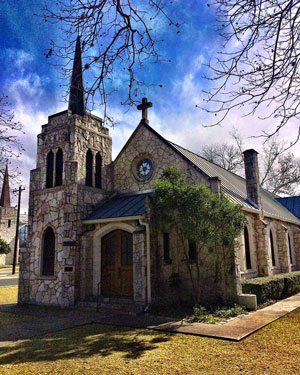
(117, 36)
(258, 65)
(279, 168)
(10, 147)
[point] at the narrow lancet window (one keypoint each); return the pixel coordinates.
(49, 171)
(272, 249)
(247, 248)
(98, 182)
(89, 168)
(290, 249)
(166, 244)
(192, 251)
(59, 168)
(48, 255)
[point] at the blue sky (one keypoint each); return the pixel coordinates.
(32, 82)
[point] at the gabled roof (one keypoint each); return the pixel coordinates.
(122, 205)
(233, 186)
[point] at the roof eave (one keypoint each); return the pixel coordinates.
(266, 214)
(112, 219)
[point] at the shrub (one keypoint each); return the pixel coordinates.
(4, 247)
(215, 314)
(273, 287)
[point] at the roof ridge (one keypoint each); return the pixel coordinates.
(217, 165)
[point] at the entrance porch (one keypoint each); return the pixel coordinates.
(115, 254)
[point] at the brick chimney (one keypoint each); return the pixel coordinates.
(252, 177)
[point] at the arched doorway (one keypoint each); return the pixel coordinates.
(116, 264)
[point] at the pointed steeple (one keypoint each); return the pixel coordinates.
(76, 98)
(5, 196)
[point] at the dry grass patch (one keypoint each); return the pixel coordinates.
(97, 349)
(8, 294)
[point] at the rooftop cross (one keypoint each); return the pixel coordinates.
(144, 108)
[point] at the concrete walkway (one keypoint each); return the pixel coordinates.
(43, 320)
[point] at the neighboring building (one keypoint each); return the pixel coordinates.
(8, 220)
(90, 220)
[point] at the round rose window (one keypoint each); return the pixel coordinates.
(144, 169)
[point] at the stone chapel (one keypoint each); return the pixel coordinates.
(91, 233)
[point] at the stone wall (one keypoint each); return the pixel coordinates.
(264, 259)
(62, 208)
(8, 222)
(145, 144)
(211, 290)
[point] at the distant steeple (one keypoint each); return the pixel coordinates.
(76, 98)
(5, 196)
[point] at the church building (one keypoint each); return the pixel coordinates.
(8, 220)
(91, 233)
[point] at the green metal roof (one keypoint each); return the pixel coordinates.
(234, 186)
(121, 205)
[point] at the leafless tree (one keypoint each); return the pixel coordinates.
(258, 65)
(225, 155)
(10, 147)
(116, 35)
(279, 168)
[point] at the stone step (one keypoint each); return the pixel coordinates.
(124, 308)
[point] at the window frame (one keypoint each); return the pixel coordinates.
(49, 173)
(166, 248)
(42, 257)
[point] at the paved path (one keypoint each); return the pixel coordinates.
(43, 320)
(12, 281)
(6, 277)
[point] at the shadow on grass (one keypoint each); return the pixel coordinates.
(82, 342)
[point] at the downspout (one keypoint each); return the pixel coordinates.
(146, 225)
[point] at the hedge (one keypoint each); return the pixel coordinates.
(273, 287)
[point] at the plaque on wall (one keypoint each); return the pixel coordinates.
(69, 243)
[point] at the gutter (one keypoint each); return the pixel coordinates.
(111, 219)
(272, 216)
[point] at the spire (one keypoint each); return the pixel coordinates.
(76, 98)
(5, 196)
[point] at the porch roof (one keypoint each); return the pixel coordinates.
(121, 205)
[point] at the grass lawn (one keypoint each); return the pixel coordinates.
(8, 294)
(98, 349)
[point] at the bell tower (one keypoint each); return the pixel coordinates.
(70, 179)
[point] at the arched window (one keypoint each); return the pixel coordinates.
(98, 171)
(247, 248)
(48, 255)
(89, 168)
(290, 248)
(272, 249)
(59, 168)
(49, 172)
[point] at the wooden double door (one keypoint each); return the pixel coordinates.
(116, 264)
